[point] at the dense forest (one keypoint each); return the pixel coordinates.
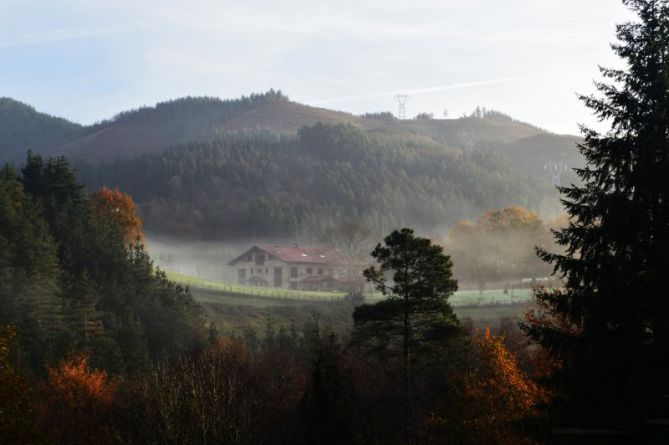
(23, 128)
(263, 166)
(272, 186)
(71, 280)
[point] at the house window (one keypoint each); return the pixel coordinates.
(310, 270)
(293, 285)
(293, 272)
(241, 276)
(260, 258)
(320, 271)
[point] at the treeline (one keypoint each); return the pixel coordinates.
(278, 187)
(297, 386)
(71, 281)
(209, 111)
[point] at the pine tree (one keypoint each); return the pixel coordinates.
(415, 322)
(608, 325)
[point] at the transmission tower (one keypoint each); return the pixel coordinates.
(402, 101)
(556, 170)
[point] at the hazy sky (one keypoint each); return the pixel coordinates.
(87, 59)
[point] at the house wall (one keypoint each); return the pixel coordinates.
(256, 262)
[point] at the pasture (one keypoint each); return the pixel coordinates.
(236, 309)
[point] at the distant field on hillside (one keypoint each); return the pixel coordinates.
(240, 292)
(238, 315)
(236, 309)
(220, 289)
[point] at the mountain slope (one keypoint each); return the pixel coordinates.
(155, 129)
(298, 187)
(23, 128)
(198, 119)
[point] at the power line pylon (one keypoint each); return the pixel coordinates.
(402, 101)
(556, 170)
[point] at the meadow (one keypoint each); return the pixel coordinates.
(247, 310)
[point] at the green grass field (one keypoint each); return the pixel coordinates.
(236, 289)
(242, 294)
(236, 314)
(235, 309)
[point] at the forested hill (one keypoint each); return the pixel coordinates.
(264, 166)
(274, 186)
(23, 128)
(203, 119)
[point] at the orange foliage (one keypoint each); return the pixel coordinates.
(120, 208)
(498, 395)
(499, 384)
(79, 404)
(513, 216)
(74, 382)
(497, 398)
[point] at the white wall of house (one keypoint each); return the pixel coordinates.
(259, 263)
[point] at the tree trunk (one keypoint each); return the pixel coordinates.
(406, 373)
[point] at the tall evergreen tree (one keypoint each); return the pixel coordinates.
(608, 325)
(415, 321)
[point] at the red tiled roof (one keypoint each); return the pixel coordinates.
(311, 255)
(304, 254)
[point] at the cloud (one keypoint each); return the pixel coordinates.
(59, 34)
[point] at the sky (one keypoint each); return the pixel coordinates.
(87, 60)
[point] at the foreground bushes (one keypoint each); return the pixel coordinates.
(289, 388)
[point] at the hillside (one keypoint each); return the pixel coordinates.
(201, 119)
(23, 128)
(532, 153)
(155, 129)
(277, 187)
(264, 166)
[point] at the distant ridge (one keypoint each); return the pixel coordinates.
(155, 129)
(23, 128)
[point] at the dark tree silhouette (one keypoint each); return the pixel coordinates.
(416, 318)
(608, 325)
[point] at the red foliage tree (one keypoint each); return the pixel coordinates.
(79, 403)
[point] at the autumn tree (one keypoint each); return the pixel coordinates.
(496, 399)
(615, 350)
(79, 402)
(118, 207)
(498, 246)
(415, 320)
